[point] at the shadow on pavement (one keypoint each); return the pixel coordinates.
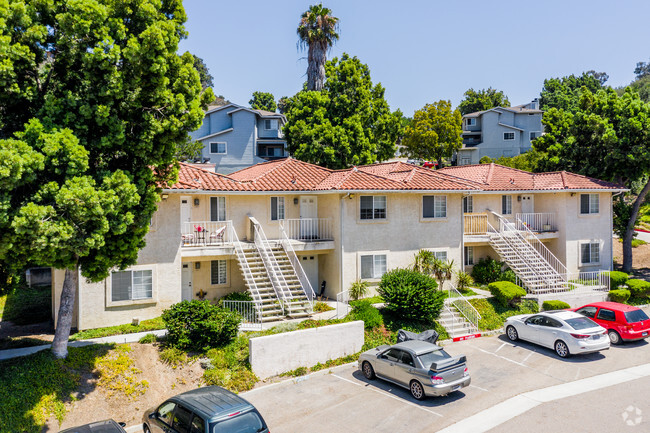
(550, 353)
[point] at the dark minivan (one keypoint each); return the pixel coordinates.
(204, 410)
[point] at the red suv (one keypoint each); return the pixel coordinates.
(623, 322)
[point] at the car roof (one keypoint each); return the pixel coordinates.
(212, 402)
(106, 426)
(612, 306)
(561, 314)
(417, 346)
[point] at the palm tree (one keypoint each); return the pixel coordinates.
(317, 30)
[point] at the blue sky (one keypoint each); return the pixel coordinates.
(422, 51)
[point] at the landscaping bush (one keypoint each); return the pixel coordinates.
(236, 296)
(619, 295)
(488, 271)
(320, 307)
(358, 289)
(616, 278)
(555, 305)
(199, 325)
(638, 288)
(411, 295)
(494, 315)
(506, 293)
(363, 310)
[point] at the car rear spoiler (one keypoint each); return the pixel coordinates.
(444, 364)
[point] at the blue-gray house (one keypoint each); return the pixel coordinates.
(500, 131)
(236, 137)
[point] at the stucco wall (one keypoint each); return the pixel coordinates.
(274, 354)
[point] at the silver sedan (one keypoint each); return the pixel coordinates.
(566, 332)
(422, 367)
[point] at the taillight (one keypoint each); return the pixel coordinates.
(234, 413)
(466, 372)
(437, 380)
(580, 336)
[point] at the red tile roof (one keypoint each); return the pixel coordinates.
(292, 175)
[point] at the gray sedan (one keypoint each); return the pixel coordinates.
(423, 368)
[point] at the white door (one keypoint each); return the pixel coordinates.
(186, 282)
(310, 266)
(308, 216)
(186, 215)
(527, 204)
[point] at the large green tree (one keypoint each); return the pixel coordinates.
(482, 100)
(263, 101)
(564, 93)
(434, 133)
(347, 123)
(317, 32)
(204, 73)
(604, 136)
(95, 101)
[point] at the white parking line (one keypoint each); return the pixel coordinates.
(388, 395)
(515, 406)
(529, 355)
(500, 347)
(502, 357)
(479, 388)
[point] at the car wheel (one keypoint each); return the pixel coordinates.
(511, 332)
(417, 391)
(368, 371)
(614, 338)
(561, 349)
(145, 428)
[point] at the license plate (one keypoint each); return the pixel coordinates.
(644, 334)
(595, 337)
(456, 388)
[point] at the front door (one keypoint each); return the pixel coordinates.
(186, 215)
(308, 217)
(527, 204)
(186, 282)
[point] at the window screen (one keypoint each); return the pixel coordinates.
(218, 272)
(277, 208)
(217, 208)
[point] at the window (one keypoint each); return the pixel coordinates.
(277, 208)
(469, 256)
(434, 206)
(588, 312)
(508, 136)
(440, 255)
(604, 314)
(373, 207)
(471, 121)
(217, 208)
(182, 419)
(166, 412)
(407, 359)
(589, 253)
(393, 355)
(589, 204)
(198, 425)
(218, 147)
(270, 124)
(131, 285)
(506, 204)
(218, 272)
(245, 422)
(533, 135)
(373, 266)
(465, 161)
(468, 204)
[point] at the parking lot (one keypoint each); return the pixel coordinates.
(342, 400)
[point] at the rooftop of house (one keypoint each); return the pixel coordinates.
(290, 174)
(523, 109)
(235, 107)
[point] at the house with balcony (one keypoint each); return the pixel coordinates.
(500, 131)
(235, 137)
(284, 230)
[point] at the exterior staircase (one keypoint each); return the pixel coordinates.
(537, 268)
(454, 323)
(259, 284)
(296, 303)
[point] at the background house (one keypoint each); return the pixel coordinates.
(500, 131)
(235, 137)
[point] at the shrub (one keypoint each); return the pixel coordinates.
(236, 296)
(148, 339)
(199, 325)
(463, 280)
(172, 356)
(638, 288)
(488, 271)
(411, 295)
(320, 307)
(619, 295)
(555, 305)
(616, 278)
(509, 275)
(506, 293)
(358, 289)
(363, 310)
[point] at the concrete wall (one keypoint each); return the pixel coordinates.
(274, 354)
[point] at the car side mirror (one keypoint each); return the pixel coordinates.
(153, 415)
(122, 424)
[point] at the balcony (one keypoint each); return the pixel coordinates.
(476, 224)
(206, 233)
(536, 222)
(308, 229)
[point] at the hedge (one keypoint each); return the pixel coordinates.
(555, 305)
(638, 288)
(619, 295)
(616, 278)
(506, 293)
(411, 295)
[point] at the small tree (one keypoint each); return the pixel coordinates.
(358, 289)
(443, 270)
(482, 100)
(263, 101)
(423, 263)
(463, 280)
(411, 295)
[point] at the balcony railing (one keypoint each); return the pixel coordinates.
(206, 233)
(476, 224)
(308, 229)
(536, 222)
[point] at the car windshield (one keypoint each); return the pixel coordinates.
(430, 357)
(249, 422)
(635, 316)
(581, 323)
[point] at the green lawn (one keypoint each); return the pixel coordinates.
(145, 325)
(494, 315)
(24, 305)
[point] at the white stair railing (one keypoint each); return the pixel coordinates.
(464, 307)
(546, 254)
(297, 267)
(273, 269)
(248, 274)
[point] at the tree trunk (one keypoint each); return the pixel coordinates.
(629, 231)
(66, 309)
(316, 58)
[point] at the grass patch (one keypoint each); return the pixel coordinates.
(145, 325)
(119, 376)
(173, 356)
(229, 366)
(373, 300)
(34, 388)
(494, 315)
(25, 305)
(148, 339)
(320, 307)
(635, 242)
